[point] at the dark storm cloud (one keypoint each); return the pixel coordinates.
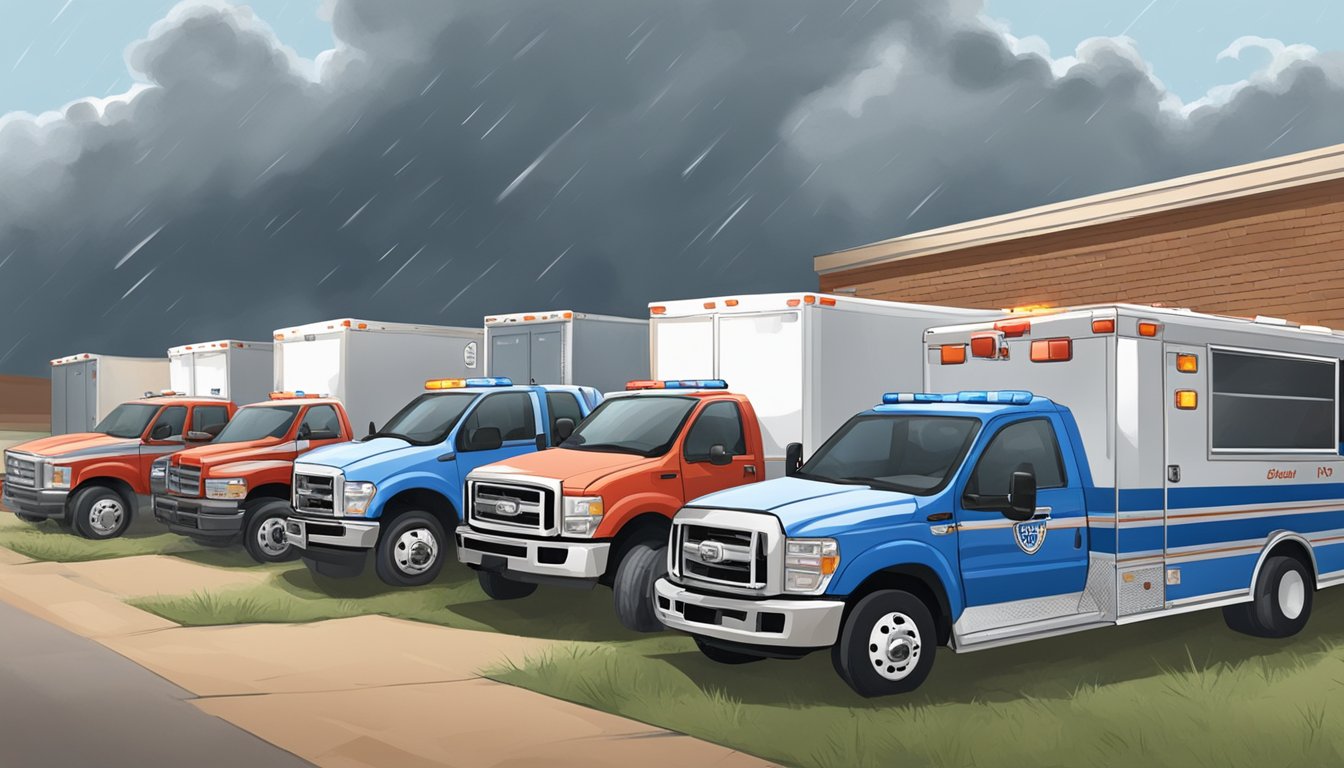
(449, 160)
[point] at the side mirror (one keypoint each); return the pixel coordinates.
(793, 458)
(1021, 497)
(305, 432)
(161, 432)
(373, 428)
(199, 437)
(484, 439)
(563, 429)
(718, 456)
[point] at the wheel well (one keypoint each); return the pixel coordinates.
(270, 491)
(647, 526)
(424, 500)
(918, 580)
(1294, 548)
(121, 487)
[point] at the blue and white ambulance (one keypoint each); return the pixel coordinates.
(1091, 467)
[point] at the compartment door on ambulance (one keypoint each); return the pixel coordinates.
(1003, 561)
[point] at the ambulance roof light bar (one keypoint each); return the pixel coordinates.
(164, 393)
(484, 381)
(677, 384)
(1000, 397)
(297, 394)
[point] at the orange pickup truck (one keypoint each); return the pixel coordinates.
(598, 509)
(239, 485)
(95, 482)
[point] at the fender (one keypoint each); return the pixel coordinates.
(894, 553)
(1276, 538)
(630, 507)
(256, 473)
(405, 481)
(116, 470)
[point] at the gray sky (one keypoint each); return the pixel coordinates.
(431, 161)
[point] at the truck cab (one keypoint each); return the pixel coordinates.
(398, 491)
(94, 482)
(913, 526)
(598, 508)
(239, 485)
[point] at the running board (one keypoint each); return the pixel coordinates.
(1063, 625)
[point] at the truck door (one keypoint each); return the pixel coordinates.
(1003, 561)
(1143, 583)
(547, 356)
(509, 355)
(514, 414)
(717, 424)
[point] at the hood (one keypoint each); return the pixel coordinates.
(343, 455)
(224, 453)
(79, 445)
(810, 508)
(577, 469)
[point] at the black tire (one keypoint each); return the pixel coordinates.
(497, 586)
(724, 656)
(30, 518)
(264, 531)
(632, 589)
(100, 513)
(900, 667)
(214, 542)
(1280, 600)
(411, 550)
(332, 570)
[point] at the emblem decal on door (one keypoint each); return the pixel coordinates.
(1029, 535)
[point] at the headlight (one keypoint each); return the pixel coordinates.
(809, 563)
(226, 488)
(356, 500)
(582, 515)
(56, 476)
(159, 469)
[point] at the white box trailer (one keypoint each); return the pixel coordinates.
(566, 347)
(808, 362)
(373, 368)
(241, 371)
(86, 387)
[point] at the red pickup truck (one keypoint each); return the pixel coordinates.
(239, 485)
(95, 482)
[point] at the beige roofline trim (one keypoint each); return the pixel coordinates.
(1173, 194)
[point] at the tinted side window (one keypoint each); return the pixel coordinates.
(509, 412)
(209, 418)
(1018, 447)
(562, 405)
(175, 417)
(718, 424)
(322, 422)
(1267, 403)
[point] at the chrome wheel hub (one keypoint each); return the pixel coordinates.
(894, 646)
(271, 537)
(106, 515)
(1292, 594)
(416, 551)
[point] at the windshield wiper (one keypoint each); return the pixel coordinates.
(874, 482)
(604, 447)
(396, 435)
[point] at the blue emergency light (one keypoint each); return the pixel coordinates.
(1000, 397)
(484, 381)
(678, 384)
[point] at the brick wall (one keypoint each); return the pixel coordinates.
(1279, 254)
(25, 403)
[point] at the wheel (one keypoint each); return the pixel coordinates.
(214, 542)
(501, 587)
(410, 550)
(100, 513)
(887, 644)
(29, 518)
(632, 590)
(724, 656)
(332, 570)
(1280, 601)
(264, 531)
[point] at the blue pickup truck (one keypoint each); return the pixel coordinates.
(398, 492)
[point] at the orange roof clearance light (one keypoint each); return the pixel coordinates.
(709, 305)
(809, 299)
(1106, 325)
(1148, 329)
(657, 310)
(1187, 399)
(952, 354)
(793, 302)
(1187, 363)
(827, 301)
(1014, 328)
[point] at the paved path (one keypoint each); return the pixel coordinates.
(68, 701)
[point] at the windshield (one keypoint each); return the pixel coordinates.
(910, 454)
(645, 426)
(258, 423)
(428, 419)
(127, 420)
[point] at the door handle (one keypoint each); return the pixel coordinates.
(668, 476)
(942, 530)
(1042, 513)
(750, 469)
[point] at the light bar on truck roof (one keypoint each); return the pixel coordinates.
(999, 397)
(297, 394)
(164, 393)
(484, 381)
(677, 384)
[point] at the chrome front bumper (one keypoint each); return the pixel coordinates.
(566, 559)
(337, 532)
(777, 622)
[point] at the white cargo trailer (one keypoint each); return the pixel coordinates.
(808, 362)
(86, 387)
(565, 347)
(241, 371)
(372, 368)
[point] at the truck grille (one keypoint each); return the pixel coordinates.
(513, 506)
(20, 472)
(315, 494)
(721, 555)
(181, 480)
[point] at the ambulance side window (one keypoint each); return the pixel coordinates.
(1021, 446)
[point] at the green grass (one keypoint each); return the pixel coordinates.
(49, 541)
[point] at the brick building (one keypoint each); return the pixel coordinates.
(1259, 239)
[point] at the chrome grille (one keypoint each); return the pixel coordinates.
(20, 472)
(512, 506)
(724, 556)
(315, 494)
(182, 480)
